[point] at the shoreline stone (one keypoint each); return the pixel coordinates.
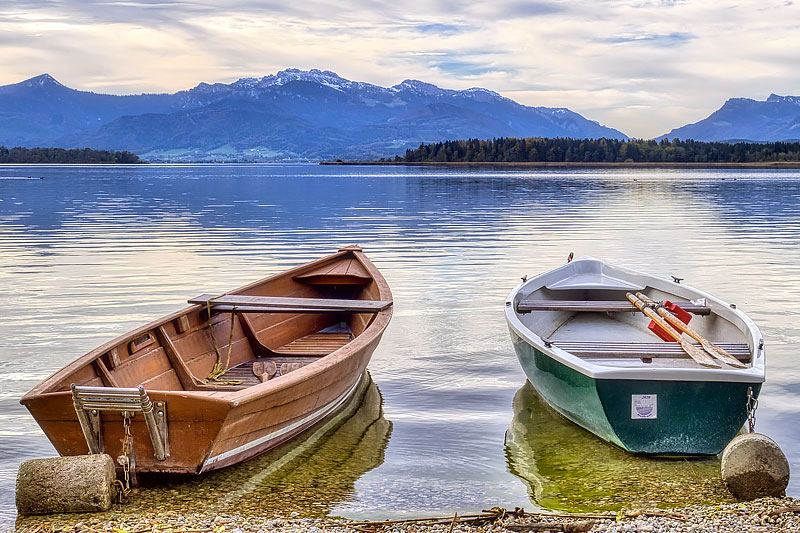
(753, 466)
(65, 484)
(763, 515)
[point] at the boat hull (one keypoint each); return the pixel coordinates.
(255, 426)
(673, 417)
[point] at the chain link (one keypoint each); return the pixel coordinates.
(122, 492)
(124, 460)
(752, 405)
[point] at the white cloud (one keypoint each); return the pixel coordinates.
(641, 66)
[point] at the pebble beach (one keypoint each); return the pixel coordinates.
(762, 515)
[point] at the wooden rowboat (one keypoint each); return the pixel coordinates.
(147, 395)
(587, 351)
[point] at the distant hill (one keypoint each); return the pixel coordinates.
(742, 119)
(291, 115)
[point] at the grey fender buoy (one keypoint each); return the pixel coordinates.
(72, 484)
(754, 466)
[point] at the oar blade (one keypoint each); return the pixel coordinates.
(722, 355)
(698, 354)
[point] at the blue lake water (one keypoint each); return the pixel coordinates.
(90, 252)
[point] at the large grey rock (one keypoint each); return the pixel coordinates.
(754, 466)
(65, 484)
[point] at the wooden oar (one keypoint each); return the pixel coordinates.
(695, 352)
(707, 345)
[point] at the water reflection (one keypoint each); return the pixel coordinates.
(566, 468)
(310, 474)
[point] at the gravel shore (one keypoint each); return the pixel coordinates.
(763, 515)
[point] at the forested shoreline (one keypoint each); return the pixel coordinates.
(566, 150)
(65, 155)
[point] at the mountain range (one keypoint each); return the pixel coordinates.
(291, 115)
(743, 119)
(315, 114)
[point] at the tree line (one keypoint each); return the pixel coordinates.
(566, 150)
(63, 155)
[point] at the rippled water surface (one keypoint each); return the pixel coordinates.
(90, 252)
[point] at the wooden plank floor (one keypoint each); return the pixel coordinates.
(304, 350)
(315, 344)
(244, 371)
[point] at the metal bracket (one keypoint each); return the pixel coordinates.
(94, 421)
(161, 424)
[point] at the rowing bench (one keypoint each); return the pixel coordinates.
(597, 306)
(640, 350)
(284, 304)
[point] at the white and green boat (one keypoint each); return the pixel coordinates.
(588, 352)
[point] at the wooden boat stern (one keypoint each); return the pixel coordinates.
(187, 413)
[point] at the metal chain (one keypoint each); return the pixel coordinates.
(124, 460)
(752, 405)
(122, 492)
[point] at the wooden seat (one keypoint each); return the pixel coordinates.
(340, 273)
(597, 306)
(279, 304)
(641, 350)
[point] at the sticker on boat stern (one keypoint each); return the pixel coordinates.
(644, 406)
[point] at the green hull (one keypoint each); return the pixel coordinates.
(567, 468)
(675, 417)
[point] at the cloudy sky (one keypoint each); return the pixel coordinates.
(640, 66)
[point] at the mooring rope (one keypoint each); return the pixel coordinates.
(219, 370)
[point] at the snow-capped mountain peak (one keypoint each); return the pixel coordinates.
(42, 80)
(418, 87)
(327, 78)
(774, 98)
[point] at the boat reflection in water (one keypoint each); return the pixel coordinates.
(316, 473)
(309, 474)
(566, 468)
